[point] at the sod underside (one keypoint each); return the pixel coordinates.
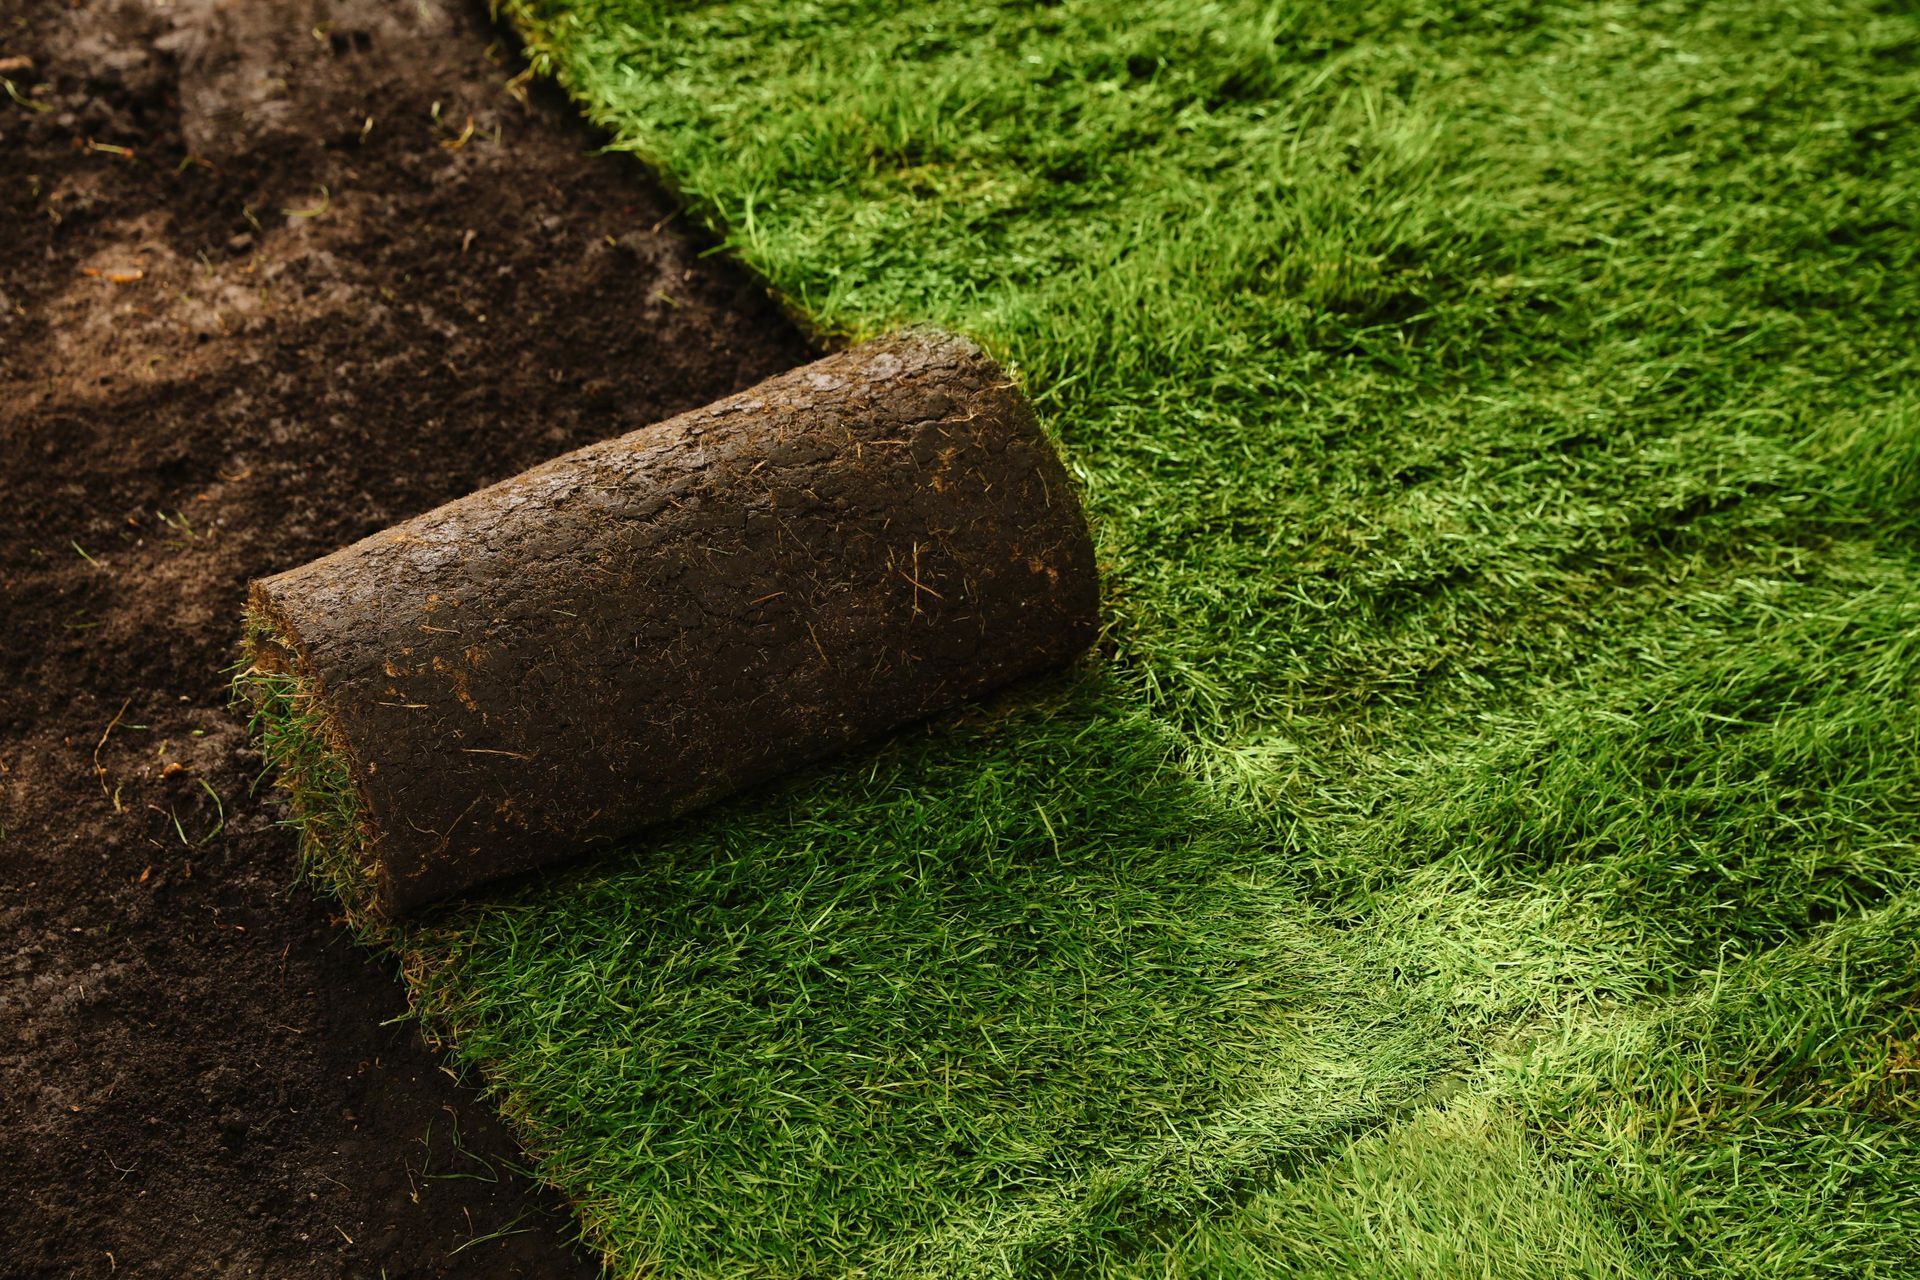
(634, 629)
(1488, 842)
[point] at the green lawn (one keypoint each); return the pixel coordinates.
(1488, 839)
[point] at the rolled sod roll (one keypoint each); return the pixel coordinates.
(652, 622)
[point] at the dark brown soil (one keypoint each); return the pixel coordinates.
(273, 275)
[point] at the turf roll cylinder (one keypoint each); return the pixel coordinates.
(649, 623)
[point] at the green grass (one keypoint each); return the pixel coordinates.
(1488, 841)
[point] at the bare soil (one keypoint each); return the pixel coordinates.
(274, 274)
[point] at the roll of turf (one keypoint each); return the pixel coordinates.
(649, 623)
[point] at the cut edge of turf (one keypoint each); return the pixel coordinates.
(311, 765)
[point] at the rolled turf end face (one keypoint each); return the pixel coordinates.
(644, 625)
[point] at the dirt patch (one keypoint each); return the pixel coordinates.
(273, 275)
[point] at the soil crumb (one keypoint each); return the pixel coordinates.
(273, 274)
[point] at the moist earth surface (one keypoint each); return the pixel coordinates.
(273, 275)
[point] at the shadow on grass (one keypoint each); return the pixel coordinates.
(1008, 987)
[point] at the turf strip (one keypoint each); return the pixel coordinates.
(1488, 842)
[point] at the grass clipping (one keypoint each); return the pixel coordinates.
(311, 765)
